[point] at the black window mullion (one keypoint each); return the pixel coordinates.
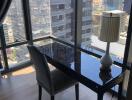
(3, 47)
(27, 21)
(128, 40)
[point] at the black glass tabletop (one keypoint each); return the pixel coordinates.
(89, 66)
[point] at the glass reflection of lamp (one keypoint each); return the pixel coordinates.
(105, 76)
(109, 33)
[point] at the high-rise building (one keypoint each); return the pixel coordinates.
(61, 20)
(53, 17)
(13, 24)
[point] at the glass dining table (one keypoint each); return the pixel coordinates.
(82, 66)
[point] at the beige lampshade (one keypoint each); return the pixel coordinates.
(110, 25)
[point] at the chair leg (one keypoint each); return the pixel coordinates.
(52, 97)
(77, 91)
(40, 92)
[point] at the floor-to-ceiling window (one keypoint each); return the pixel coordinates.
(62, 17)
(57, 18)
(93, 11)
(52, 17)
(40, 18)
(14, 32)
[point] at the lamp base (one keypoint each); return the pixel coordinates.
(105, 69)
(106, 60)
(105, 76)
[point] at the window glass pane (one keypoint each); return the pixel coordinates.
(17, 55)
(52, 17)
(86, 23)
(62, 21)
(40, 18)
(91, 21)
(13, 24)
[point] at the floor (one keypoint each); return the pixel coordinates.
(21, 85)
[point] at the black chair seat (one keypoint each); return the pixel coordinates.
(59, 83)
(62, 82)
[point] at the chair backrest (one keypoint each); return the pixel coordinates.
(41, 67)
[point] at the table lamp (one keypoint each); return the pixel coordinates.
(109, 32)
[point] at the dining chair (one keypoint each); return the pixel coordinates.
(52, 81)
